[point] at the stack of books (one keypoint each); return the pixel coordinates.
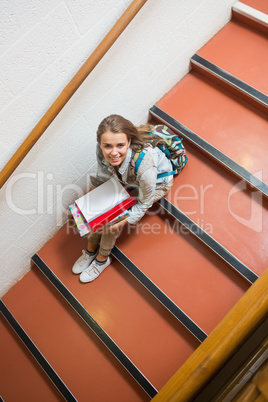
(105, 205)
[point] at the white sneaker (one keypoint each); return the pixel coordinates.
(83, 262)
(93, 271)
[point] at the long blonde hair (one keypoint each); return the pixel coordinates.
(117, 124)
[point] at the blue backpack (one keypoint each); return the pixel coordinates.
(170, 144)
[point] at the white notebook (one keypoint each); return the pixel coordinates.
(102, 199)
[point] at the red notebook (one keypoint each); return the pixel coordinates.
(105, 218)
(104, 203)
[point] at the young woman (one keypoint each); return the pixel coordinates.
(118, 140)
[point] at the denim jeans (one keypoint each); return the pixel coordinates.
(107, 241)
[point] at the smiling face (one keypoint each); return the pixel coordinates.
(114, 147)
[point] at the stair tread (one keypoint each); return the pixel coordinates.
(188, 272)
(221, 118)
(126, 311)
(210, 198)
(241, 51)
(75, 353)
(20, 371)
(260, 5)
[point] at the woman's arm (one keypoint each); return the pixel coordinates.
(145, 199)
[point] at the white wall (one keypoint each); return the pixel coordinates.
(42, 45)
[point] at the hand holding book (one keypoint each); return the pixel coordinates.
(113, 227)
(106, 205)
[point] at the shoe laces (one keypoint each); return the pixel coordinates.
(83, 257)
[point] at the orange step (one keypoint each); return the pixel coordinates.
(233, 215)
(76, 354)
(241, 51)
(188, 272)
(221, 118)
(20, 375)
(260, 5)
(134, 319)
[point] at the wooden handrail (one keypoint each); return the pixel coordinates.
(70, 89)
(219, 346)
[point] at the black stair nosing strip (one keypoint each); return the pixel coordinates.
(41, 360)
(96, 328)
(224, 75)
(184, 319)
(215, 246)
(215, 153)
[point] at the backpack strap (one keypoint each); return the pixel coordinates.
(166, 174)
(138, 157)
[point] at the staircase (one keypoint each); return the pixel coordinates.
(176, 274)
